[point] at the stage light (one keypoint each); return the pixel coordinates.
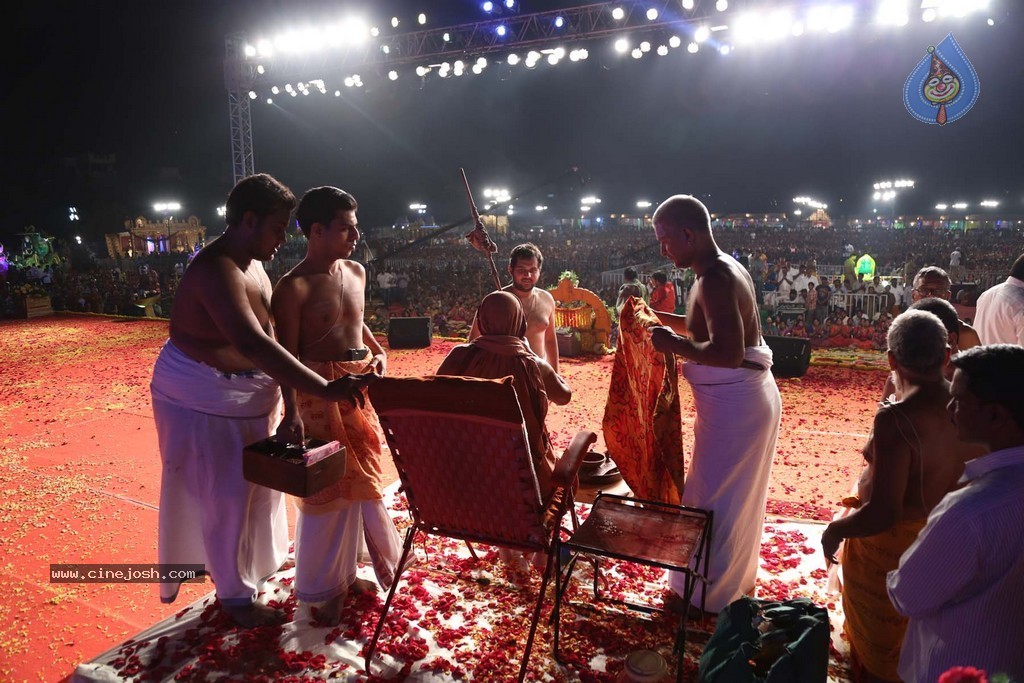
(166, 207)
(618, 13)
(512, 59)
(422, 18)
(349, 82)
(393, 75)
(552, 59)
(674, 42)
(652, 14)
(510, 3)
(574, 56)
(722, 5)
(725, 50)
(621, 45)
(260, 70)
(637, 53)
(459, 68)
(488, 6)
(394, 22)
(531, 61)
(560, 22)
(293, 93)
(797, 29)
(892, 13)
(422, 71)
(701, 34)
(337, 93)
(252, 94)
(385, 49)
(842, 17)
(928, 15)
(288, 87)
(250, 51)
(645, 46)
(374, 31)
(501, 30)
(447, 37)
(692, 48)
(532, 55)
(305, 92)
(477, 69)
(481, 62)
(991, 22)
(265, 48)
(687, 5)
(662, 50)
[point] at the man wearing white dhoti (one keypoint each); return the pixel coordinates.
(215, 390)
(738, 404)
(318, 310)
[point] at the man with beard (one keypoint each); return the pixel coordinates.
(318, 308)
(524, 265)
(727, 364)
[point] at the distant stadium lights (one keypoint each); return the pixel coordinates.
(488, 6)
(808, 201)
(652, 14)
(552, 59)
(337, 93)
(417, 207)
(559, 22)
(687, 5)
(584, 208)
(166, 207)
(73, 215)
(621, 45)
(590, 200)
(541, 207)
(990, 203)
(960, 205)
(798, 212)
(78, 239)
(700, 35)
(422, 18)
(898, 184)
(393, 75)
(618, 14)
(643, 204)
(481, 62)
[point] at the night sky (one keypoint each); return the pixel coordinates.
(815, 115)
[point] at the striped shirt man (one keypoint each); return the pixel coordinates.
(962, 581)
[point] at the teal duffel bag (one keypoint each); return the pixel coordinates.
(770, 642)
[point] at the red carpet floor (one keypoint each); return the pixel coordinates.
(79, 472)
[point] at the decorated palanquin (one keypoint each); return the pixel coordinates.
(642, 420)
(584, 313)
(143, 237)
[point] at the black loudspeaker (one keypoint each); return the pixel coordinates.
(409, 333)
(791, 355)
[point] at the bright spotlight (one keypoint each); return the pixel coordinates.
(942, 207)
(687, 5)
(574, 56)
(501, 30)
(374, 31)
(337, 93)
(393, 75)
(477, 69)
(422, 71)
(222, 210)
(990, 203)
(252, 94)
(645, 46)
(265, 48)
(260, 70)
(481, 62)
(643, 204)
(637, 53)
(250, 51)
(349, 82)
(960, 205)
(447, 37)
(892, 13)
(662, 50)
(674, 42)
(692, 48)
(559, 22)
(701, 34)
(488, 6)
(618, 13)
(552, 59)
(621, 45)
(722, 5)
(270, 100)
(394, 22)
(652, 14)
(725, 49)
(928, 15)
(510, 3)
(513, 59)
(422, 18)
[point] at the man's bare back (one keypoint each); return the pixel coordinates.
(724, 270)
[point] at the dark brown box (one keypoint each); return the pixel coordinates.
(282, 467)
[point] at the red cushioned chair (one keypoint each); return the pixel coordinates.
(461, 451)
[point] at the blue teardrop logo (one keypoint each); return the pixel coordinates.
(944, 85)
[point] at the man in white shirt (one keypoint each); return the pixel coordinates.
(961, 583)
(1000, 315)
(954, 264)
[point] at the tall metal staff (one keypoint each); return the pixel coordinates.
(479, 238)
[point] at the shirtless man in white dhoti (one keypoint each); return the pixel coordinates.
(318, 310)
(727, 364)
(216, 390)
(524, 265)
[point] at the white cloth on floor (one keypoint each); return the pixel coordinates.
(738, 416)
(330, 545)
(209, 513)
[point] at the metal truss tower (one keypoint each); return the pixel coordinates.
(239, 74)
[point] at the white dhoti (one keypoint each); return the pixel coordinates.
(738, 415)
(209, 513)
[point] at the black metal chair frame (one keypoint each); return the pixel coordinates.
(693, 570)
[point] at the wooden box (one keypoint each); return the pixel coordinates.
(290, 469)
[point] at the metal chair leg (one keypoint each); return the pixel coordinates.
(391, 594)
(536, 617)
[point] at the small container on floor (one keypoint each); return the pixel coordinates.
(643, 666)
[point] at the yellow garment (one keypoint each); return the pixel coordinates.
(642, 425)
(356, 428)
(874, 627)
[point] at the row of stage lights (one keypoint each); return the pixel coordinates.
(749, 27)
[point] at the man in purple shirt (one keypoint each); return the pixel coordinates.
(961, 583)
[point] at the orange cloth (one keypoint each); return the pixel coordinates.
(874, 627)
(642, 424)
(500, 351)
(356, 428)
